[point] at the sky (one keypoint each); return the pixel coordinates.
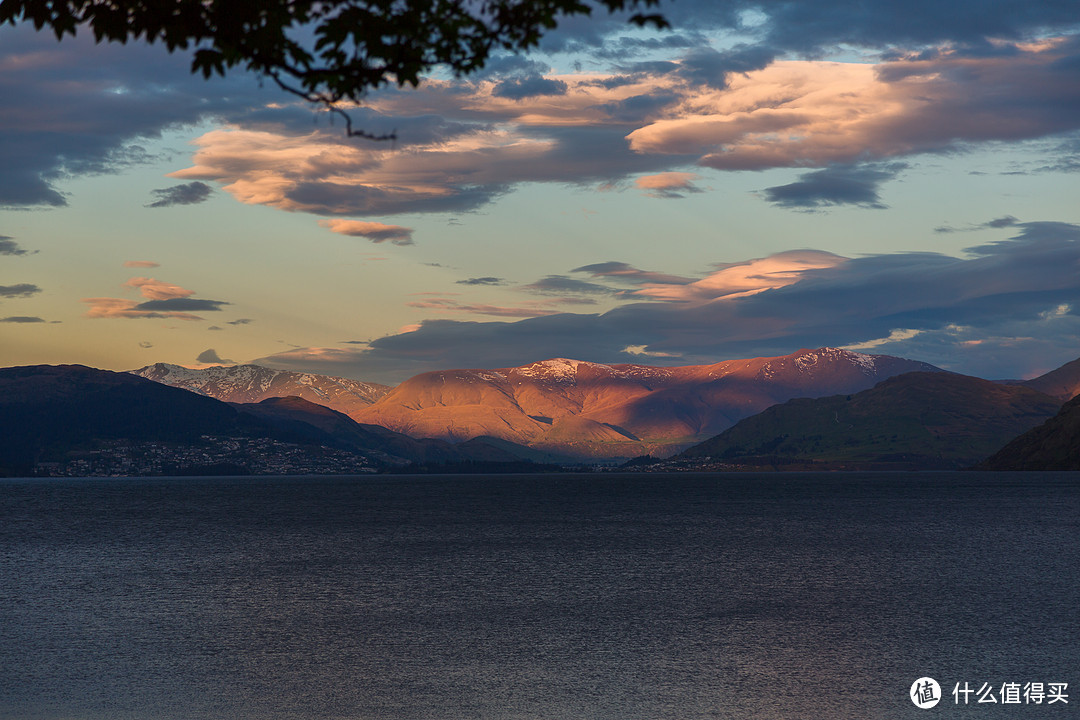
(889, 177)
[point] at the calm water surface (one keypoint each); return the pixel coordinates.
(536, 597)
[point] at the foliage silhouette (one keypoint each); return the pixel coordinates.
(325, 51)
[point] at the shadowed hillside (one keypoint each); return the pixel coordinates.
(1054, 445)
(1063, 383)
(912, 421)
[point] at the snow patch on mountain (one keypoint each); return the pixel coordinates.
(252, 383)
(556, 370)
(865, 362)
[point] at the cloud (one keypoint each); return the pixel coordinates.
(851, 121)
(1003, 309)
(162, 300)
(640, 351)
(708, 67)
(8, 246)
(109, 308)
(802, 28)
(443, 304)
(152, 289)
(932, 77)
(1002, 222)
(812, 29)
(146, 345)
(181, 305)
(20, 290)
(210, 357)
(509, 65)
(191, 193)
(319, 173)
(742, 279)
(897, 335)
(668, 184)
(78, 108)
(482, 281)
(529, 86)
(561, 285)
(21, 319)
(837, 185)
(624, 271)
(376, 232)
(817, 114)
(997, 223)
(141, 264)
(241, 321)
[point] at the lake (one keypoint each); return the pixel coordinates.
(592, 597)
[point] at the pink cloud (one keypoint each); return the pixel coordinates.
(121, 308)
(668, 184)
(666, 181)
(141, 264)
(152, 289)
(376, 232)
(800, 114)
(806, 114)
(738, 280)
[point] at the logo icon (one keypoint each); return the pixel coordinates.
(925, 693)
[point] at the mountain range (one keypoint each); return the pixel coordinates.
(572, 407)
(70, 416)
(824, 408)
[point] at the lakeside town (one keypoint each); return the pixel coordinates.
(211, 456)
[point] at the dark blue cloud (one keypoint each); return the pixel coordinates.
(187, 194)
(20, 290)
(563, 285)
(708, 67)
(811, 28)
(628, 48)
(837, 185)
(519, 88)
(502, 65)
(8, 246)
(76, 108)
(329, 198)
(997, 223)
(210, 357)
(621, 271)
(181, 305)
(639, 108)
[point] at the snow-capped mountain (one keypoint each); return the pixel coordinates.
(562, 405)
(618, 410)
(254, 383)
